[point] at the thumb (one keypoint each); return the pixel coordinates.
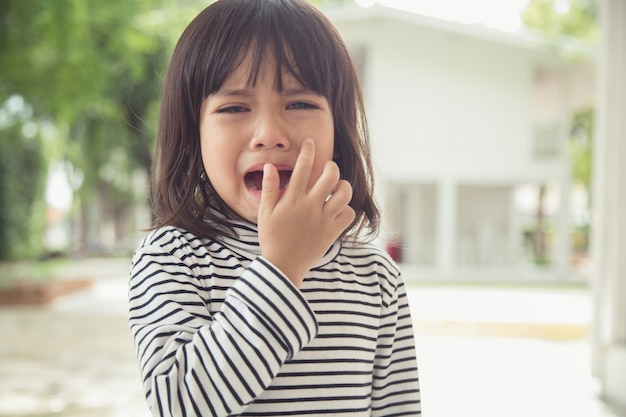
(270, 191)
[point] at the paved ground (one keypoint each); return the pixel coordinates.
(482, 352)
(505, 353)
(75, 357)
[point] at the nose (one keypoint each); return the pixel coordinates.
(270, 133)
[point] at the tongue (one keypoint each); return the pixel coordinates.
(255, 179)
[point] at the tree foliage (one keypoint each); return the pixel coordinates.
(557, 18)
(90, 71)
(21, 206)
(86, 66)
(580, 146)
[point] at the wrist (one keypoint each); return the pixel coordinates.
(292, 271)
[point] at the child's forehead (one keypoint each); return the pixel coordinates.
(266, 68)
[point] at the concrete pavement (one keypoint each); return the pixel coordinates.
(494, 352)
(482, 352)
(73, 357)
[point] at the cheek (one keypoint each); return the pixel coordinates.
(206, 151)
(324, 152)
(213, 164)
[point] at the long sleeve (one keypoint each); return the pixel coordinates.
(395, 390)
(219, 331)
(198, 362)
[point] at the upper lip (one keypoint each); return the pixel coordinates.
(259, 167)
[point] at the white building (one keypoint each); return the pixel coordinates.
(467, 124)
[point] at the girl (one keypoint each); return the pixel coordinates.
(256, 294)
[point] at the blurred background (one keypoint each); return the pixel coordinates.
(497, 135)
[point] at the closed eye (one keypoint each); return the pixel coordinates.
(301, 105)
(231, 109)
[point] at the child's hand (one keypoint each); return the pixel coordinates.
(295, 231)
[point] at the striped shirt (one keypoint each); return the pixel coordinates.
(220, 331)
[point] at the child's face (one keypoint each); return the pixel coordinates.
(243, 127)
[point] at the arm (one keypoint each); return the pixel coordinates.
(396, 388)
(200, 363)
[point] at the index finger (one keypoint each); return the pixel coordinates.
(304, 164)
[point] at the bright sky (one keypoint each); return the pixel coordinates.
(499, 14)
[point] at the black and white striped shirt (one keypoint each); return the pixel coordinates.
(220, 331)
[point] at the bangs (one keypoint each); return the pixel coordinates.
(276, 31)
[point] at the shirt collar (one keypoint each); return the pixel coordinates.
(247, 243)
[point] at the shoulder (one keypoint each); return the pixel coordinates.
(168, 237)
(369, 255)
(175, 240)
(170, 241)
(371, 264)
(173, 244)
(164, 244)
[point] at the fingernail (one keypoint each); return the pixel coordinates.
(309, 140)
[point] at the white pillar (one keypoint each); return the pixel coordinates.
(446, 226)
(413, 214)
(514, 242)
(609, 207)
(563, 254)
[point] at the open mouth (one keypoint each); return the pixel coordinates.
(254, 179)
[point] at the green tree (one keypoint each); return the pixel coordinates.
(560, 21)
(580, 146)
(558, 18)
(91, 70)
(21, 205)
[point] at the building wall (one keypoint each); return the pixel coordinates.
(434, 96)
(456, 122)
